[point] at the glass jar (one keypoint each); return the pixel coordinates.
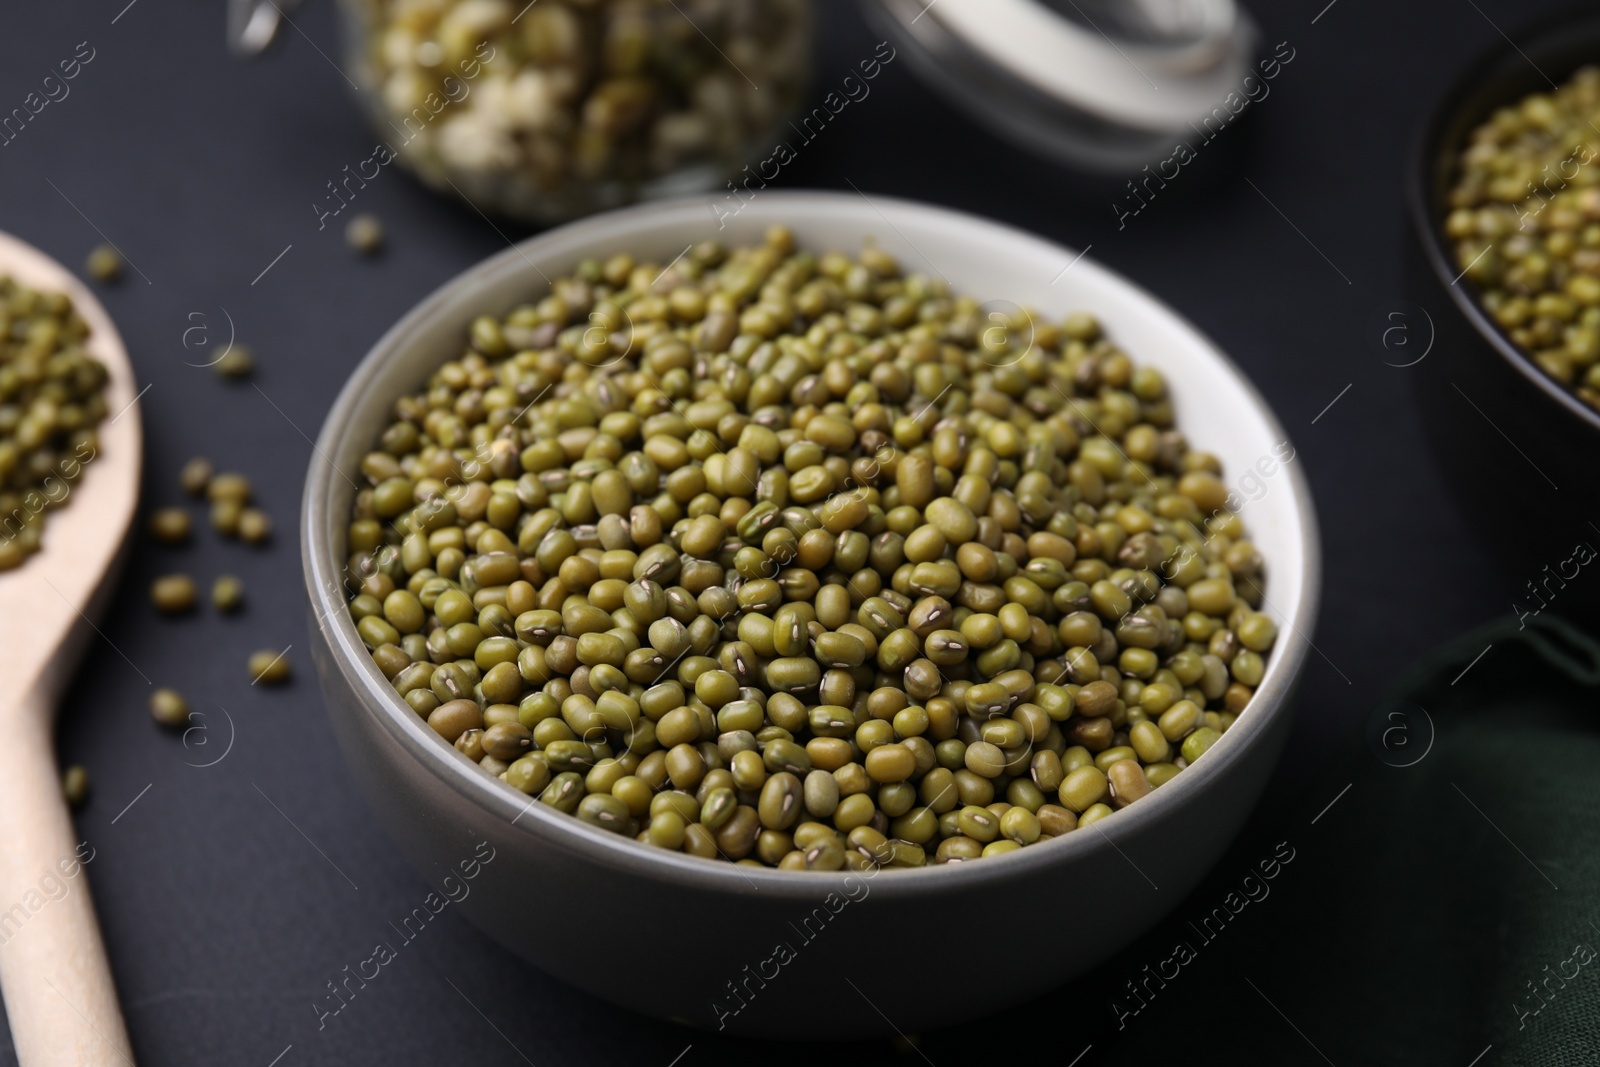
(551, 109)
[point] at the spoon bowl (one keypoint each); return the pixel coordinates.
(59, 996)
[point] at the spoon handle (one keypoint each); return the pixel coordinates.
(59, 997)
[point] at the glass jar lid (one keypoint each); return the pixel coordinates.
(1100, 84)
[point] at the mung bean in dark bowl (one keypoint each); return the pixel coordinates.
(799, 560)
(1524, 217)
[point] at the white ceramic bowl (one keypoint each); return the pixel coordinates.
(721, 946)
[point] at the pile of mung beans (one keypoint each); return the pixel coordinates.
(1525, 218)
(804, 561)
(52, 395)
(553, 109)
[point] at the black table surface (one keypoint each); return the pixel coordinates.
(1282, 241)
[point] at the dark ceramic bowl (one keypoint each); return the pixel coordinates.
(1520, 452)
(721, 946)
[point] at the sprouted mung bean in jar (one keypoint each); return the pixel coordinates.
(52, 395)
(798, 560)
(554, 109)
(1525, 219)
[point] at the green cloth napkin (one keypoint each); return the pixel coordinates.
(1433, 903)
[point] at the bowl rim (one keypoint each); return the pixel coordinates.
(525, 815)
(1427, 216)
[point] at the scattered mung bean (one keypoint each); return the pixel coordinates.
(75, 785)
(225, 515)
(228, 486)
(227, 593)
(173, 594)
(196, 476)
(254, 526)
(237, 362)
(168, 707)
(170, 526)
(104, 263)
(364, 234)
(271, 667)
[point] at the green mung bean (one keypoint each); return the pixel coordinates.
(228, 486)
(173, 594)
(196, 476)
(168, 708)
(225, 517)
(254, 526)
(271, 667)
(364, 234)
(237, 362)
(52, 396)
(104, 263)
(75, 785)
(227, 593)
(170, 526)
(1521, 217)
(863, 588)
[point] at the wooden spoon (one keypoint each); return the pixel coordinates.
(57, 984)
